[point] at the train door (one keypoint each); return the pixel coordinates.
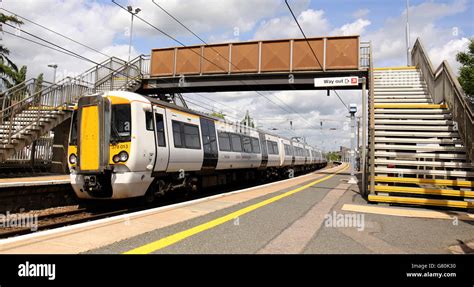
(209, 143)
(161, 140)
(263, 144)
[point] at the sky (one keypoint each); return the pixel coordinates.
(444, 27)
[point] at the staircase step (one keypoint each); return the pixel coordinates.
(417, 140)
(410, 106)
(415, 128)
(454, 173)
(414, 122)
(400, 93)
(418, 134)
(461, 165)
(6, 146)
(402, 97)
(398, 89)
(378, 87)
(425, 191)
(407, 155)
(395, 101)
(419, 148)
(421, 201)
(411, 111)
(413, 116)
(437, 182)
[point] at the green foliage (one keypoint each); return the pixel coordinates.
(218, 115)
(10, 75)
(333, 156)
(466, 72)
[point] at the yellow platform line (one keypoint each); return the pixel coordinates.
(410, 106)
(447, 182)
(407, 212)
(421, 201)
(396, 68)
(419, 190)
(172, 239)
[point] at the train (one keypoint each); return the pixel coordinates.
(126, 145)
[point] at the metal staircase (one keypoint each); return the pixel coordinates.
(31, 109)
(418, 155)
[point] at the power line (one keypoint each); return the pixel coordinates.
(40, 44)
(302, 32)
(51, 43)
(55, 32)
(307, 41)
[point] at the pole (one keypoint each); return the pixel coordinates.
(364, 135)
(55, 67)
(352, 111)
(358, 141)
(131, 36)
(408, 37)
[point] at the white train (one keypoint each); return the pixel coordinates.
(125, 145)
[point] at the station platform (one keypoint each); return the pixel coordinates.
(315, 213)
(34, 181)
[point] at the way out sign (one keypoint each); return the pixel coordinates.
(336, 81)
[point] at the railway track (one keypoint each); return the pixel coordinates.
(60, 219)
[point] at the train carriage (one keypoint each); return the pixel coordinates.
(125, 145)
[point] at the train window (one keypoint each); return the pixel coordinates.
(149, 121)
(287, 150)
(275, 147)
(160, 127)
(236, 143)
(186, 135)
(121, 123)
(224, 141)
(177, 134)
(247, 144)
(191, 136)
(272, 147)
(269, 147)
(73, 137)
(255, 145)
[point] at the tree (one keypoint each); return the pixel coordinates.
(10, 75)
(466, 72)
(218, 115)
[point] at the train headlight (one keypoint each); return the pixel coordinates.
(116, 158)
(123, 155)
(72, 159)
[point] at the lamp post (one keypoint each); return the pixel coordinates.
(352, 111)
(133, 13)
(54, 66)
(408, 37)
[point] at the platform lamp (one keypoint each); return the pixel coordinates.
(352, 112)
(55, 67)
(133, 13)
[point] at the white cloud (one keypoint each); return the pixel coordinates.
(361, 13)
(354, 28)
(313, 22)
(448, 52)
(389, 41)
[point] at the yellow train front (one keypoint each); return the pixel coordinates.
(102, 138)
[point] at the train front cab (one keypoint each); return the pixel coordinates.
(100, 149)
